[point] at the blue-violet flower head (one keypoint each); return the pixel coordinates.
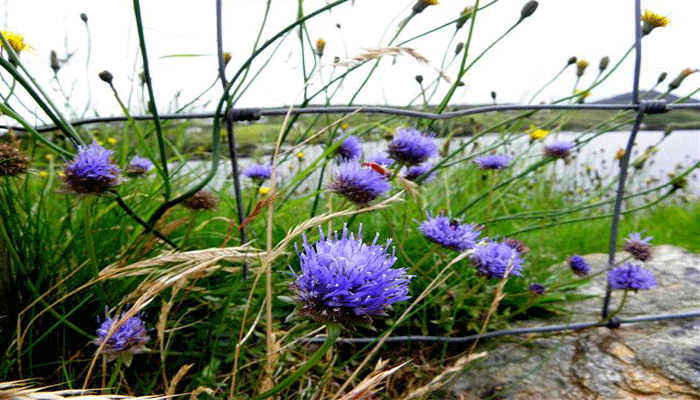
(630, 276)
(381, 159)
(359, 184)
(410, 147)
(449, 233)
(493, 259)
(138, 166)
(536, 288)
(579, 265)
(92, 171)
(349, 149)
(493, 161)
(258, 172)
(638, 247)
(558, 149)
(129, 337)
(417, 171)
(342, 279)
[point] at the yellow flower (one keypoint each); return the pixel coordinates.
(16, 41)
(344, 126)
(48, 157)
(320, 46)
(538, 134)
(199, 150)
(300, 156)
(652, 20)
(429, 2)
(61, 174)
(581, 67)
(619, 154)
(579, 191)
(101, 143)
(111, 140)
(43, 174)
(264, 190)
(582, 95)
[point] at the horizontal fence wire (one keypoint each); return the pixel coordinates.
(641, 107)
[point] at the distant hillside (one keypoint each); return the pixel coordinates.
(627, 98)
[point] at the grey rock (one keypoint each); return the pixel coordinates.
(651, 360)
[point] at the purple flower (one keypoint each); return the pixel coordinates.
(381, 159)
(579, 265)
(344, 279)
(631, 276)
(138, 166)
(360, 185)
(349, 149)
(417, 171)
(536, 288)
(493, 161)
(493, 259)
(410, 147)
(258, 172)
(449, 233)
(558, 149)
(92, 171)
(638, 247)
(129, 337)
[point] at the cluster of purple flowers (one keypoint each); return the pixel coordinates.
(637, 246)
(258, 172)
(579, 265)
(631, 277)
(92, 171)
(139, 166)
(359, 184)
(410, 147)
(417, 171)
(493, 161)
(343, 279)
(129, 337)
(450, 233)
(493, 259)
(349, 149)
(558, 149)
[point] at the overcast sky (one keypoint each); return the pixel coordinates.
(515, 68)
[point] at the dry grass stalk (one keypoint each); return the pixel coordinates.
(170, 391)
(371, 384)
(396, 51)
(444, 377)
(22, 390)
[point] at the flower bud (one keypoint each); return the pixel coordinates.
(581, 67)
(459, 47)
(679, 79)
(227, 58)
(620, 154)
(320, 46)
(572, 60)
(419, 79)
(528, 9)
(603, 65)
(422, 5)
(106, 76)
(55, 66)
(662, 76)
(464, 17)
(83, 16)
(493, 95)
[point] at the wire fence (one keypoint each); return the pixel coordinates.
(232, 115)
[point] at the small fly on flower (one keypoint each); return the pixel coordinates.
(378, 168)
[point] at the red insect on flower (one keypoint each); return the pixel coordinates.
(378, 168)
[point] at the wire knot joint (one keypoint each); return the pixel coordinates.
(613, 323)
(653, 106)
(243, 114)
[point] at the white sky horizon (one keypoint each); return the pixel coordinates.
(515, 68)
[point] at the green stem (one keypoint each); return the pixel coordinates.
(492, 176)
(90, 244)
(333, 333)
(115, 372)
(153, 108)
(622, 304)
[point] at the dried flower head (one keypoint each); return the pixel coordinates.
(320, 46)
(92, 171)
(516, 244)
(620, 154)
(581, 67)
(558, 149)
(450, 233)
(128, 339)
(538, 134)
(349, 149)
(537, 288)
(674, 84)
(342, 279)
(493, 161)
(651, 21)
(15, 40)
(139, 166)
(410, 147)
(53, 62)
(579, 265)
(202, 200)
(258, 172)
(12, 160)
(359, 184)
(631, 277)
(638, 247)
(494, 259)
(227, 58)
(464, 17)
(422, 5)
(417, 171)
